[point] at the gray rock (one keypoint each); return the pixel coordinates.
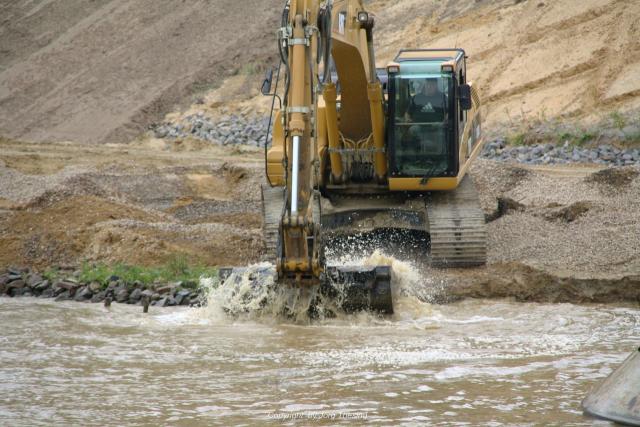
(163, 302)
(16, 284)
(42, 286)
(83, 294)
(69, 285)
(47, 293)
(99, 297)
(135, 296)
(182, 296)
(17, 292)
(122, 295)
(64, 296)
(34, 279)
(167, 289)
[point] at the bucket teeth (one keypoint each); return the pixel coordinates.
(352, 289)
(359, 288)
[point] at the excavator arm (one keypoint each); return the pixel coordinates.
(312, 33)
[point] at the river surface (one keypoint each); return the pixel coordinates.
(475, 362)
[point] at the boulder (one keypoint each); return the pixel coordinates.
(83, 294)
(16, 284)
(64, 296)
(33, 280)
(99, 297)
(69, 285)
(163, 302)
(135, 296)
(167, 289)
(122, 295)
(182, 297)
(42, 286)
(47, 293)
(17, 292)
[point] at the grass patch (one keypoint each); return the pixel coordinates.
(250, 69)
(619, 121)
(517, 139)
(579, 138)
(176, 269)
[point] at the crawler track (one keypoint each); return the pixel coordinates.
(457, 227)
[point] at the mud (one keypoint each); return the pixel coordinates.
(556, 233)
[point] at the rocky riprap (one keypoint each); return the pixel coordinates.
(232, 129)
(17, 282)
(548, 154)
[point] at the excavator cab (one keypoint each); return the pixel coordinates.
(423, 113)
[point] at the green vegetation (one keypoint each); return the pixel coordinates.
(176, 269)
(619, 120)
(516, 139)
(579, 137)
(250, 69)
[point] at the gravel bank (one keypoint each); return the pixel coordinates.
(241, 129)
(251, 130)
(550, 154)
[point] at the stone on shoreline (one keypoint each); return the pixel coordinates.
(16, 282)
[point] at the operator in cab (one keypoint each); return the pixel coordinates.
(426, 107)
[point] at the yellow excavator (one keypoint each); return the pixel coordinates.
(358, 149)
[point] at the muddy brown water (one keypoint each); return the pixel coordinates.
(475, 362)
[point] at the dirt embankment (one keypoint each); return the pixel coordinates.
(556, 233)
(63, 203)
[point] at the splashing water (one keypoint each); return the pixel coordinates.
(253, 293)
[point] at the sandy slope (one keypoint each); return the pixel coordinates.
(102, 71)
(531, 58)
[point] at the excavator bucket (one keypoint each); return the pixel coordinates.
(617, 398)
(351, 289)
(359, 288)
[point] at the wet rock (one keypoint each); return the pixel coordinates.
(33, 280)
(163, 302)
(47, 293)
(122, 295)
(64, 296)
(16, 271)
(99, 297)
(16, 284)
(167, 289)
(83, 294)
(42, 286)
(147, 293)
(69, 285)
(135, 296)
(17, 292)
(182, 297)
(4, 279)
